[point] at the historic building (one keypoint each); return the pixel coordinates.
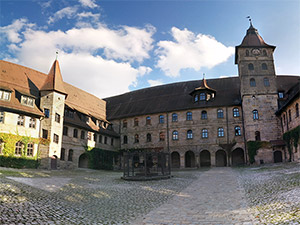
(214, 122)
(217, 122)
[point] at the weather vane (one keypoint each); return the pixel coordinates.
(248, 17)
(56, 54)
(203, 76)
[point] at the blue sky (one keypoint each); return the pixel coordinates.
(111, 47)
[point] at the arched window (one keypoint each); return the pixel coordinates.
(257, 136)
(255, 114)
(204, 133)
(237, 131)
(148, 120)
(266, 82)
(236, 112)
(264, 53)
(220, 113)
(82, 135)
(290, 115)
(75, 133)
(65, 131)
(136, 138)
(174, 117)
(70, 156)
(264, 66)
(202, 96)
(148, 137)
(203, 115)
(252, 82)
(284, 119)
(196, 98)
(124, 123)
(247, 52)
(161, 136)
(189, 134)
(62, 154)
(175, 135)
(220, 132)
(30, 149)
(136, 122)
(18, 148)
(250, 66)
(161, 119)
(297, 110)
(125, 139)
(189, 116)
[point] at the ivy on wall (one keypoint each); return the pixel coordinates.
(292, 139)
(253, 146)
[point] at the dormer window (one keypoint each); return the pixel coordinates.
(4, 95)
(25, 100)
(280, 94)
(196, 98)
(202, 96)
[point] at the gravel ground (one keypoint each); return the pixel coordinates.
(273, 192)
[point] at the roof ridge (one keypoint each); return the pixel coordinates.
(23, 67)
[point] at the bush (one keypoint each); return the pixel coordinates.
(18, 162)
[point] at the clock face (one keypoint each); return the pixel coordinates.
(255, 51)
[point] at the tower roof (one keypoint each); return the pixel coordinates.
(54, 81)
(203, 87)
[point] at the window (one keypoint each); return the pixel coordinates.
(250, 66)
(32, 122)
(220, 113)
(55, 138)
(21, 120)
(45, 134)
(89, 135)
(65, 131)
(237, 131)
(75, 133)
(280, 94)
(69, 113)
(266, 82)
(220, 132)
(148, 137)
(202, 96)
(4, 95)
(105, 140)
(25, 100)
(257, 136)
(18, 148)
(189, 134)
(204, 133)
(175, 135)
(290, 116)
(236, 112)
(264, 66)
(247, 52)
(297, 110)
(148, 120)
(136, 122)
(125, 139)
(196, 98)
(124, 123)
(161, 119)
(136, 138)
(46, 113)
(255, 114)
(100, 138)
(264, 53)
(82, 134)
(284, 119)
(57, 117)
(252, 82)
(1, 117)
(189, 116)
(203, 115)
(161, 136)
(95, 137)
(112, 142)
(70, 156)
(30, 149)
(62, 154)
(174, 117)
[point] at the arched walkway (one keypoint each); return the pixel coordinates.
(53, 162)
(189, 159)
(83, 161)
(175, 160)
(221, 158)
(237, 157)
(205, 158)
(277, 156)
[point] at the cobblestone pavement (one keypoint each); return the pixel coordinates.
(213, 198)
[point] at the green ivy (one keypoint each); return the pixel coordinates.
(101, 159)
(253, 146)
(291, 138)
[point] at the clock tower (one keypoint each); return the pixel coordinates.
(258, 89)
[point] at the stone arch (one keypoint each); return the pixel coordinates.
(277, 156)
(83, 161)
(237, 157)
(221, 158)
(205, 158)
(189, 158)
(175, 160)
(53, 162)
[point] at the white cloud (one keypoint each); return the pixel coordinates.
(190, 51)
(88, 3)
(95, 16)
(155, 82)
(65, 12)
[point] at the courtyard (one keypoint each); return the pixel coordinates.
(267, 194)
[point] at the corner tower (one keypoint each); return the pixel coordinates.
(53, 97)
(258, 87)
